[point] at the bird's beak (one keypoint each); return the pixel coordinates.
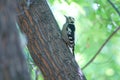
(65, 16)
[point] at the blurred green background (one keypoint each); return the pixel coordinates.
(95, 20)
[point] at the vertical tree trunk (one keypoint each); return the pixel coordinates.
(12, 62)
(46, 47)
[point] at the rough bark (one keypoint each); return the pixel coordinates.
(46, 47)
(12, 62)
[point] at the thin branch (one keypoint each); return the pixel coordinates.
(106, 39)
(114, 7)
(101, 48)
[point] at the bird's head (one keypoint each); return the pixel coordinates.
(69, 19)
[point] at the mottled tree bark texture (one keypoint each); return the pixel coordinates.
(45, 44)
(12, 61)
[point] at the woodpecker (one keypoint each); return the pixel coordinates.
(68, 32)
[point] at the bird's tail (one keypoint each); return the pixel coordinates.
(73, 51)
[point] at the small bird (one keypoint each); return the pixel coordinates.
(68, 32)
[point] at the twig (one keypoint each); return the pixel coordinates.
(106, 39)
(101, 48)
(114, 7)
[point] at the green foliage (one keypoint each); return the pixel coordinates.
(95, 21)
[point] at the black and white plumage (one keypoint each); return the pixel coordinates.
(68, 32)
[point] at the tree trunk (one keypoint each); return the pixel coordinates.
(45, 44)
(12, 62)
